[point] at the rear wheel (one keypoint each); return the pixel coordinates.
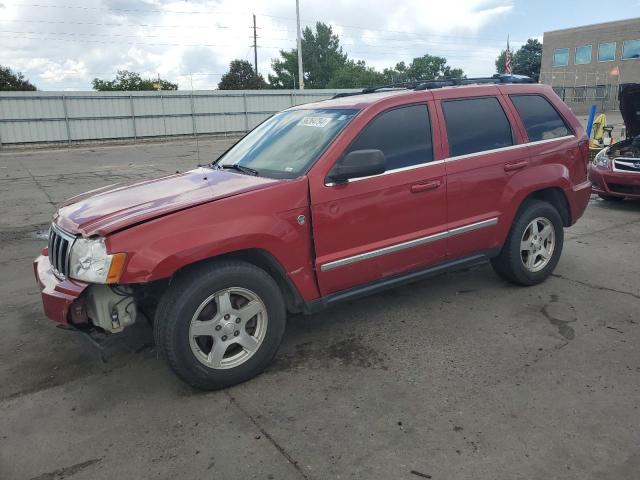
(610, 198)
(221, 324)
(534, 245)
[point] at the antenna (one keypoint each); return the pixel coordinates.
(193, 117)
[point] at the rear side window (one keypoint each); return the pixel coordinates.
(475, 125)
(403, 135)
(541, 120)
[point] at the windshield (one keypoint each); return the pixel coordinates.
(287, 144)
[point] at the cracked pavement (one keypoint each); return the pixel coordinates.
(462, 376)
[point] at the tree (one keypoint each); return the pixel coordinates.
(130, 81)
(429, 66)
(241, 76)
(426, 67)
(529, 58)
(327, 66)
(355, 75)
(10, 81)
(525, 61)
(322, 57)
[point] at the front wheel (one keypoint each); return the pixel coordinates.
(534, 245)
(220, 324)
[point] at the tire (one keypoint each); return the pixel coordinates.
(511, 263)
(224, 285)
(610, 198)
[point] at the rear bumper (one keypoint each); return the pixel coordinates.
(57, 295)
(615, 184)
(579, 199)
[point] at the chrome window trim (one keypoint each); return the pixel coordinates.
(453, 159)
(625, 161)
(388, 172)
(325, 267)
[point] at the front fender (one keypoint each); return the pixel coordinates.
(265, 219)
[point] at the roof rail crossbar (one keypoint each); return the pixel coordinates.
(442, 82)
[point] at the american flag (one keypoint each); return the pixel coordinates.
(507, 60)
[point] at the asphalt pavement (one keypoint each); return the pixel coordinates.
(462, 376)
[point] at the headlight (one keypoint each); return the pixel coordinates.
(90, 262)
(602, 158)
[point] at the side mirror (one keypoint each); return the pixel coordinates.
(357, 164)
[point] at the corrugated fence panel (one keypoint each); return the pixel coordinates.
(88, 107)
(31, 109)
(104, 128)
(34, 131)
(270, 103)
(218, 104)
(150, 126)
(29, 117)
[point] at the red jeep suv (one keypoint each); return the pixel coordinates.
(321, 203)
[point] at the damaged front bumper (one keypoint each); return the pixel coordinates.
(83, 305)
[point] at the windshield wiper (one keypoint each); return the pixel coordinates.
(240, 168)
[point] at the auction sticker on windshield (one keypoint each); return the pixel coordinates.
(314, 121)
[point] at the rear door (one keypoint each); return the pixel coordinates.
(483, 149)
(550, 138)
(380, 226)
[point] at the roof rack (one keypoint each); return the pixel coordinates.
(442, 82)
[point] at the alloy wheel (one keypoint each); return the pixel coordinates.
(537, 244)
(228, 328)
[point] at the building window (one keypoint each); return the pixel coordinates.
(630, 49)
(583, 55)
(561, 57)
(607, 52)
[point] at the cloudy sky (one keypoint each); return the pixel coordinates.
(63, 44)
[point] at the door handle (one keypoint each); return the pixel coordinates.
(423, 187)
(510, 167)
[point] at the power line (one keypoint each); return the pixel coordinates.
(375, 51)
(374, 47)
(224, 12)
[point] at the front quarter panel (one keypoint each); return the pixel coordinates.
(265, 219)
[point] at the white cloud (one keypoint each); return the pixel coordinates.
(59, 48)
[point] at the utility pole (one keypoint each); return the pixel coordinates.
(255, 46)
(300, 72)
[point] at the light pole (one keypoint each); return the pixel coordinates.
(300, 72)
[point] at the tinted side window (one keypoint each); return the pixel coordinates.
(475, 125)
(539, 117)
(403, 135)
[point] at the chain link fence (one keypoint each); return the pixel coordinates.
(581, 90)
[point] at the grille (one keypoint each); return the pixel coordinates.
(59, 248)
(627, 165)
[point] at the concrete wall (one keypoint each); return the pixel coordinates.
(33, 117)
(584, 84)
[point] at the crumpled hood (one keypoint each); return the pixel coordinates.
(630, 107)
(112, 208)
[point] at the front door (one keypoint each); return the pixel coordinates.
(376, 227)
